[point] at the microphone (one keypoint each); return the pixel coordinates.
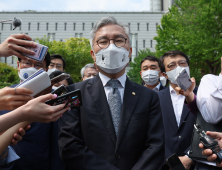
(16, 22)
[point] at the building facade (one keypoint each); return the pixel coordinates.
(60, 26)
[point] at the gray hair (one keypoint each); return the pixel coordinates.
(90, 65)
(106, 21)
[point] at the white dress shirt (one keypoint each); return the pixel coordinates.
(178, 102)
(157, 88)
(209, 98)
(108, 89)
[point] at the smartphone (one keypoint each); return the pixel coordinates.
(40, 52)
(71, 99)
(174, 162)
(59, 78)
(60, 90)
(183, 80)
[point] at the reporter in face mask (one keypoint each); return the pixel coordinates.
(65, 83)
(88, 71)
(174, 107)
(114, 117)
(150, 73)
(40, 141)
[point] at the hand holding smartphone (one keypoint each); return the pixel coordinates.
(183, 80)
(40, 52)
(72, 99)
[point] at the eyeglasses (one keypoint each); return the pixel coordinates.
(90, 75)
(105, 42)
(181, 63)
(54, 65)
(28, 64)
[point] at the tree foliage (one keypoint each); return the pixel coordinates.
(134, 72)
(194, 27)
(8, 75)
(75, 51)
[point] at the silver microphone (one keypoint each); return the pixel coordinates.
(16, 22)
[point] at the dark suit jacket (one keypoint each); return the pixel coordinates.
(38, 148)
(177, 139)
(87, 137)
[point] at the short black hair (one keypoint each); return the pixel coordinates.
(172, 53)
(150, 58)
(57, 56)
(47, 59)
(58, 72)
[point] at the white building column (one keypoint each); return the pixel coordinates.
(133, 47)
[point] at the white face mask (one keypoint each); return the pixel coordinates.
(163, 80)
(24, 73)
(54, 88)
(150, 77)
(174, 73)
(51, 70)
(112, 59)
(88, 78)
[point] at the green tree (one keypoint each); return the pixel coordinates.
(76, 52)
(194, 27)
(8, 75)
(134, 72)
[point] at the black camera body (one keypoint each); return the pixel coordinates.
(209, 142)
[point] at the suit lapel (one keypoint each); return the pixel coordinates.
(167, 107)
(131, 95)
(96, 90)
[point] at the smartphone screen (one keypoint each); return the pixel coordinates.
(183, 80)
(71, 99)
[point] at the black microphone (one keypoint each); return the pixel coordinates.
(16, 22)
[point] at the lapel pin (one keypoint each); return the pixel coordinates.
(133, 93)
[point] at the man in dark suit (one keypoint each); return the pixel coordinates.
(177, 118)
(115, 128)
(150, 73)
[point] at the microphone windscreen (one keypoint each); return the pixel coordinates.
(16, 22)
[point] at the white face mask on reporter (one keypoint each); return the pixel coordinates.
(150, 77)
(24, 73)
(163, 80)
(51, 70)
(174, 73)
(112, 59)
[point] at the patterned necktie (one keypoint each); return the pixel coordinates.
(115, 104)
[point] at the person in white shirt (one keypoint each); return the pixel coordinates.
(174, 109)
(209, 97)
(150, 73)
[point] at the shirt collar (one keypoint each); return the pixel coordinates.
(105, 79)
(172, 90)
(157, 87)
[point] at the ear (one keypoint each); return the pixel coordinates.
(161, 74)
(130, 52)
(18, 68)
(165, 75)
(141, 74)
(82, 79)
(93, 55)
